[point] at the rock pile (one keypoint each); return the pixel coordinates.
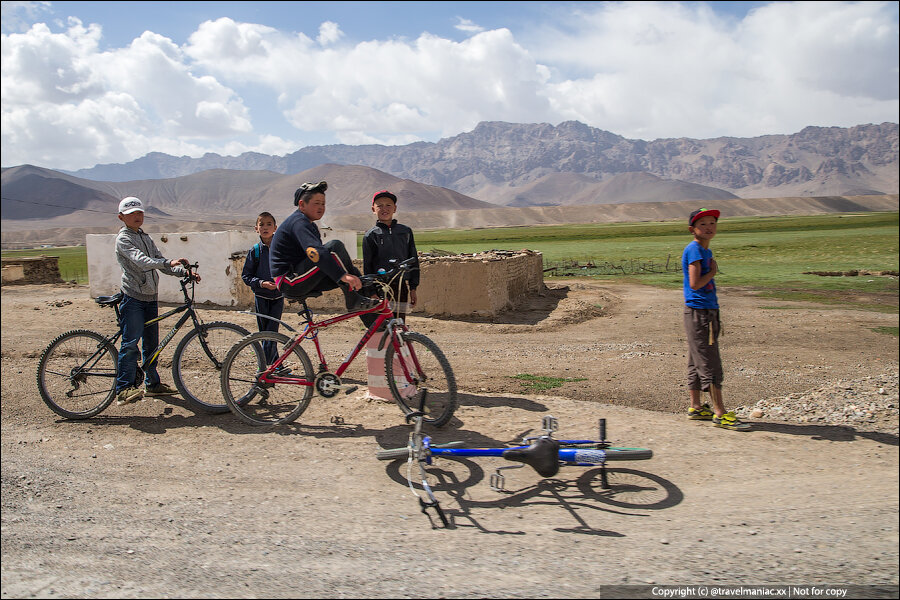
(866, 404)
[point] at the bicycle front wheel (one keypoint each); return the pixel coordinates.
(197, 364)
(263, 403)
(420, 370)
(76, 374)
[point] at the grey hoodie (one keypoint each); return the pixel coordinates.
(139, 258)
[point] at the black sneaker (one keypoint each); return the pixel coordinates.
(356, 302)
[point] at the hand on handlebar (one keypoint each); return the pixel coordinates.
(352, 281)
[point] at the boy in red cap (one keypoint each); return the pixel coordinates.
(388, 240)
(701, 323)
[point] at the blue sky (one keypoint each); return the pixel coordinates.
(86, 83)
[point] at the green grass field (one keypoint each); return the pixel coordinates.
(72, 260)
(770, 254)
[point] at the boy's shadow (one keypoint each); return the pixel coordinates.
(832, 433)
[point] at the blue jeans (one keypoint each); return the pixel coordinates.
(134, 314)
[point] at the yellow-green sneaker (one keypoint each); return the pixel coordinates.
(730, 421)
(704, 413)
(129, 395)
(160, 389)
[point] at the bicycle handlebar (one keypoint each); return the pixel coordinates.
(386, 276)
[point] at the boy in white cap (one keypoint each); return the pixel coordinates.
(140, 259)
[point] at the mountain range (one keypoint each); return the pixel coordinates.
(496, 160)
(567, 171)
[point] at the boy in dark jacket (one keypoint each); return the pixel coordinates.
(267, 298)
(388, 240)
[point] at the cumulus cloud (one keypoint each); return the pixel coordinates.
(670, 69)
(640, 69)
(66, 101)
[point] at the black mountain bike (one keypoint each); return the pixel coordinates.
(76, 374)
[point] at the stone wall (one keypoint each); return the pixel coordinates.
(32, 269)
(483, 284)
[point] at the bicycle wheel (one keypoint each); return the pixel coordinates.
(433, 379)
(76, 374)
(266, 403)
(197, 364)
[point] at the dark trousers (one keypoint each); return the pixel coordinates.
(307, 277)
(704, 362)
(134, 314)
(273, 308)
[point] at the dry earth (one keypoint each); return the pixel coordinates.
(154, 501)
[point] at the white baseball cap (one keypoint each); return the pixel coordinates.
(130, 204)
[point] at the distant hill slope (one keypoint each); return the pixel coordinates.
(36, 198)
(495, 156)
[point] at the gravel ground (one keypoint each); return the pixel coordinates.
(155, 500)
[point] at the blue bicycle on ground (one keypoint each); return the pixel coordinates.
(543, 453)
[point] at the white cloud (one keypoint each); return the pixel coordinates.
(329, 33)
(66, 102)
(666, 69)
(468, 26)
(640, 69)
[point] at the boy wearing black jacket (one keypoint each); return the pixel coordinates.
(388, 240)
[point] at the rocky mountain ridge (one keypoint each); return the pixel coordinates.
(493, 160)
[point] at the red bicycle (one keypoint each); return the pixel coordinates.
(417, 372)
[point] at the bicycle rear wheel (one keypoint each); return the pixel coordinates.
(259, 403)
(430, 376)
(197, 364)
(76, 374)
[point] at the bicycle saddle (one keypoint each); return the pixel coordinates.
(542, 456)
(109, 300)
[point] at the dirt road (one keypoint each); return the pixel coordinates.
(153, 500)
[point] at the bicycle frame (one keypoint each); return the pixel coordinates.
(190, 313)
(311, 331)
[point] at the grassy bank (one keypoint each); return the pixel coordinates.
(775, 255)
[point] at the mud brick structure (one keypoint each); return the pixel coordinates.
(33, 269)
(481, 285)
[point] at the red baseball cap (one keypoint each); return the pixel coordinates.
(383, 194)
(702, 212)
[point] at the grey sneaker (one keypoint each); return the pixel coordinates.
(160, 389)
(129, 395)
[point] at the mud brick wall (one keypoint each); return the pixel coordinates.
(483, 284)
(34, 269)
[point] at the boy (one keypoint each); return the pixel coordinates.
(701, 323)
(300, 263)
(267, 299)
(140, 259)
(388, 240)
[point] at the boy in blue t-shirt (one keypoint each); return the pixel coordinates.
(268, 299)
(701, 323)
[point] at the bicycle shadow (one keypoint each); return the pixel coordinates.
(631, 491)
(831, 433)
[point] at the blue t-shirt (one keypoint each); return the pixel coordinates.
(705, 297)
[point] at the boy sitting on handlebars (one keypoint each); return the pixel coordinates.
(301, 264)
(140, 259)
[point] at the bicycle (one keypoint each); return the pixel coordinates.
(76, 374)
(418, 374)
(543, 453)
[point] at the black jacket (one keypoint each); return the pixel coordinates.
(382, 243)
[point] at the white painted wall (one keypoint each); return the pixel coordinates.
(220, 255)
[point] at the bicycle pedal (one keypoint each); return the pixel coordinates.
(497, 482)
(350, 389)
